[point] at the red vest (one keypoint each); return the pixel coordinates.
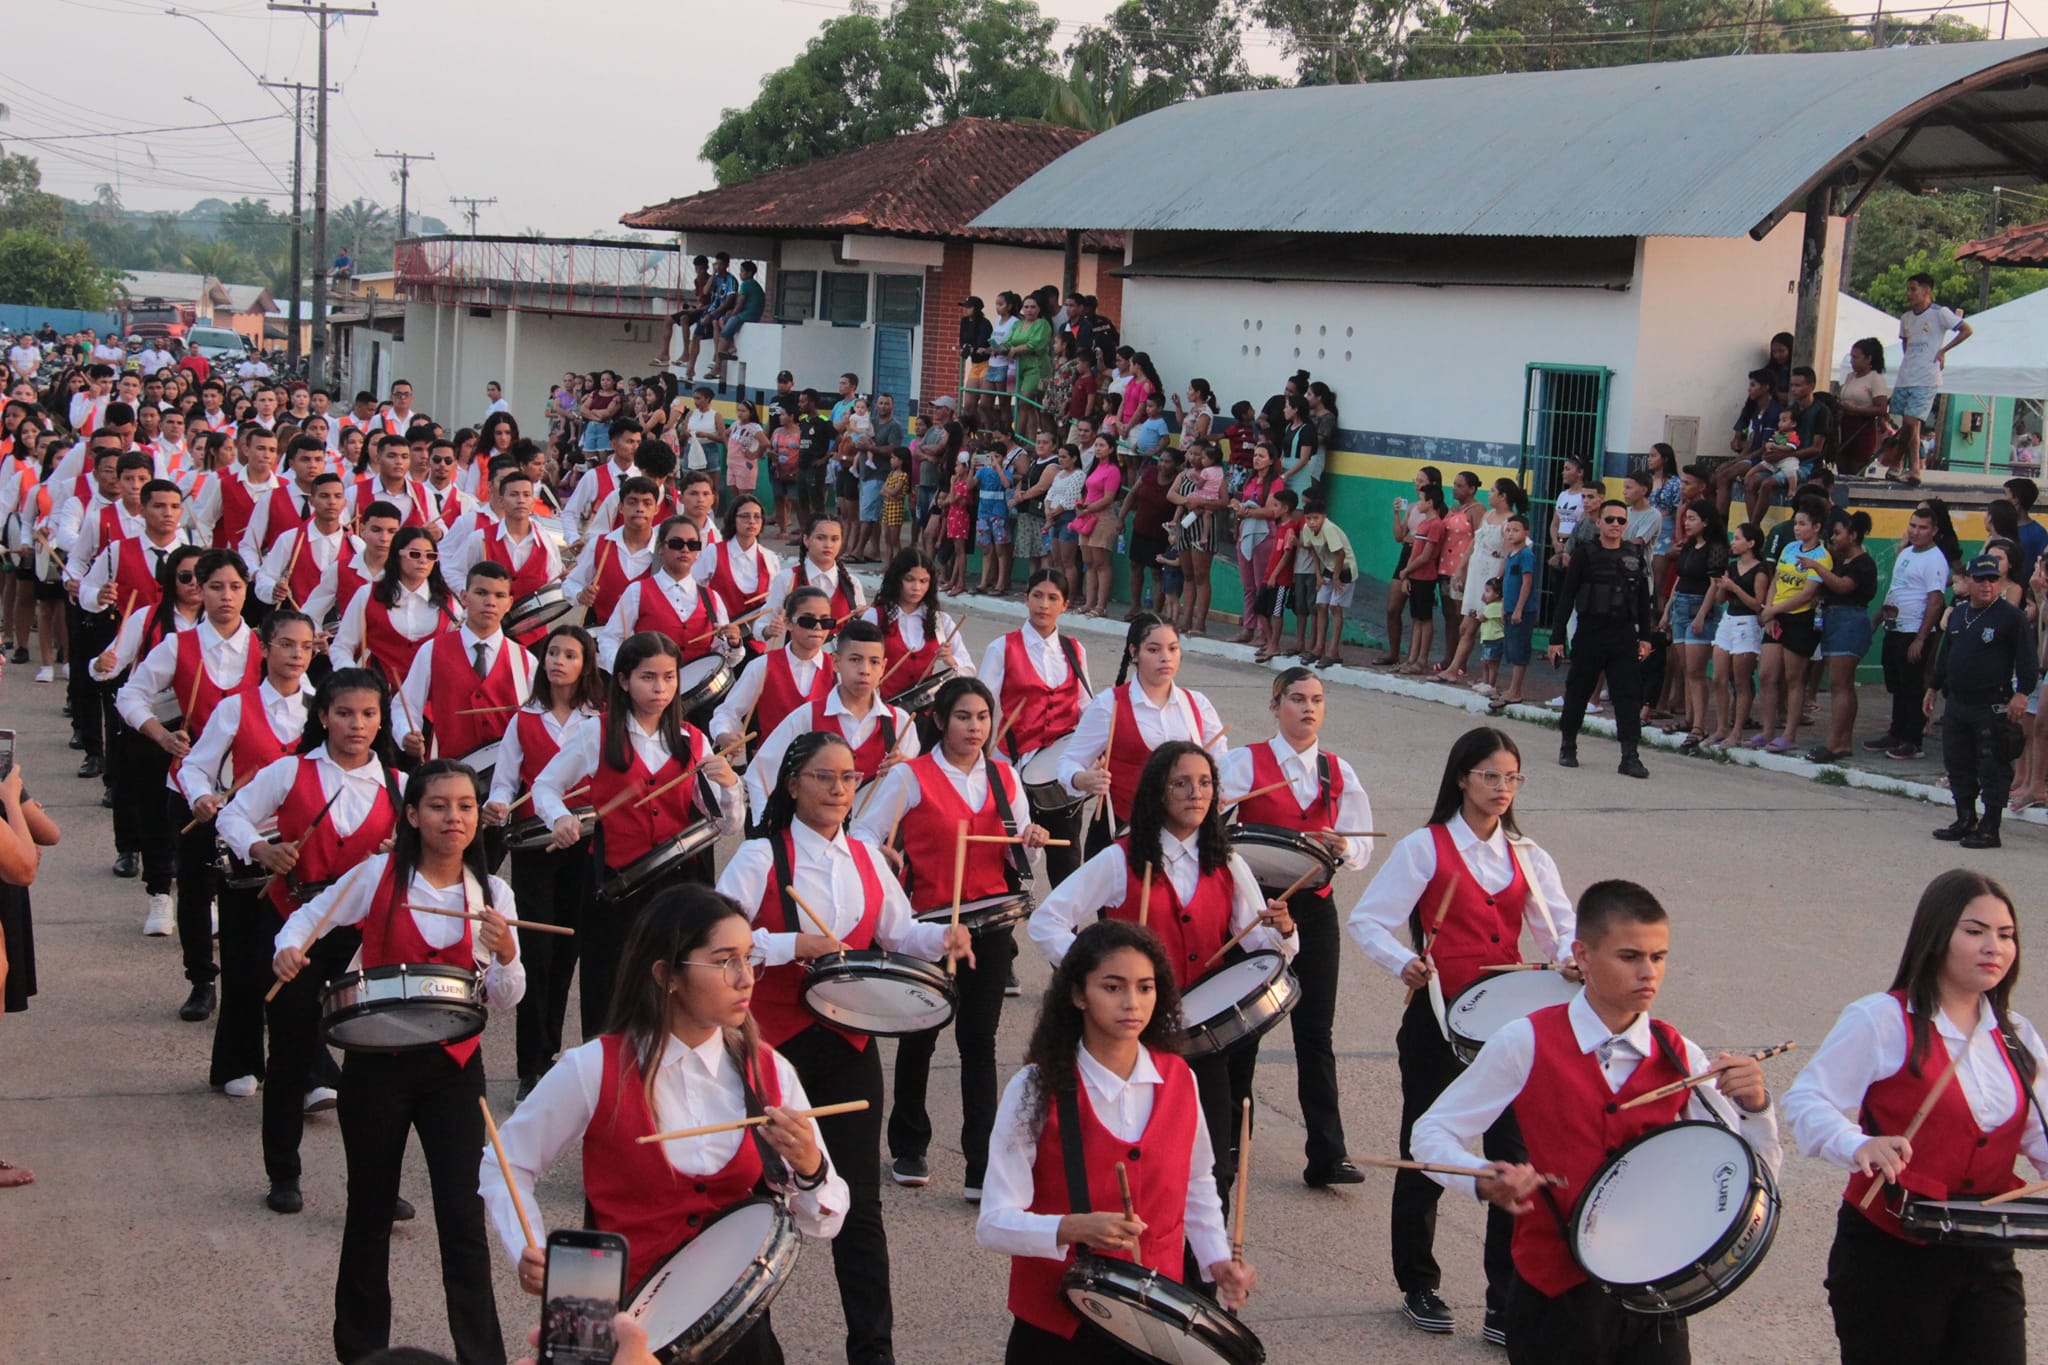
(445, 505)
(194, 685)
(347, 579)
(611, 577)
(529, 577)
(1127, 757)
(255, 746)
(779, 693)
(1953, 1158)
(237, 505)
(738, 601)
(453, 687)
(1572, 1123)
(779, 991)
(391, 647)
(1190, 933)
(413, 506)
(1479, 930)
(895, 647)
(1280, 807)
(111, 529)
(135, 585)
(325, 854)
(283, 515)
(867, 756)
(632, 1188)
(657, 613)
(306, 572)
(1157, 1165)
(631, 830)
(537, 746)
(392, 936)
(1036, 711)
(931, 832)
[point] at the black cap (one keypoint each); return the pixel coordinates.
(971, 301)
(1986, 566)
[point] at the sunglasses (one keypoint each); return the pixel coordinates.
(442, 459)
(1614, 521)
(813, 622)
(187, 576)
(678, 544)
(422, 556)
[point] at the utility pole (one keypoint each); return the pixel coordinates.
(323, 16)
(470, 208)
(404, 160)
(298, 202)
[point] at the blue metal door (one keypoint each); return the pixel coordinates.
(892, 364)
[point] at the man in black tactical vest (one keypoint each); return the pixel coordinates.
(1607, 587)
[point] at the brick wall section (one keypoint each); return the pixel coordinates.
(944, 287)
(1109, 292)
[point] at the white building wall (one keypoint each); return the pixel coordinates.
(463, 353)
(1022, 269)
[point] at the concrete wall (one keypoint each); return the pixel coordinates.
(1021, 269)
(451, 355)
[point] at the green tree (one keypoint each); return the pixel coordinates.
(1193, 47)
(1955, 282)
(362, 227)
(1097, 97)
(24, 204)
(43, 270)
(222, 260)
(1893, 224)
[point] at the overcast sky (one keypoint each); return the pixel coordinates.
(568, 114)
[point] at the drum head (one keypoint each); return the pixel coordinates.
(713, 1282)
(1662, 1203)
(481, 760)
(924, 691)
(1279, 857)
(699, 672)
(1159, 1319)
(881, 994)
(538, 610)
(1044, 766)
(1223, 989)
(985, 915)
(1491, 1003)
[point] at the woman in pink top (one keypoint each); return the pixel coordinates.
(1256, 512)
(1144, 382)
(1459, 523)
(1424, 568)
(1097, 523)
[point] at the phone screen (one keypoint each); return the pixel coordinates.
(6, 752)
(582, 1297)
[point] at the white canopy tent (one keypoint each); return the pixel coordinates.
(1855, 320)
(2007, 353)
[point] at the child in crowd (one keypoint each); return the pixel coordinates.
(895, 489)
(1492, 632)
(992, 520)
(959, 505)
(1336, 577)
(1171, 581)
(1273, 593)
(1518, 609)
(873, 473)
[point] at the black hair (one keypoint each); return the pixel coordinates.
(2025, 492)
(666, 931)
(1468, 751)
(1056, 1037)
(1873, 351)
(131, 459)
(383, 509)
(617, 750)
(1516, 495)
(161, 616)
(1142, 626)
(589, 689)
(1048, 575)
(1923, 279)
(1918, 977)
(886, 607)
(860, 633)
(950, 693)
(384, 591)
(656, 460)
(486, 568)
(780, 812)
(212, 562)
(405, 836)
(156, 486)
(1607, 903)
(283, 616)
(350, 680)
(1148, 807)
(1288, 677)
(1804, 372)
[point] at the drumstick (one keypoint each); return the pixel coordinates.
(1123, 1185)
(1015, 839)
(505, 1169)
(529, 796)
(1353, 833)
(874, 784)
(195, 822)
(1239, 936)
(1244, 1170)
(1702, 1078)
(1219, 736)
(1522, 967)
(485, 710)
(823, 927)
(535, 925)
(959, 877)
(671, 784)
(1008, 721)
(1108, 748)
(1145, 896)
(319, 928)
(291, 564)
(822, 1111)
(1270, 787)
(1476, 1172)
(2023, 1192)
(1443, 908)
(699, 639)
(1919, 1117)
(192, 701)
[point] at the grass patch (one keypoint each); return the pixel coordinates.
(1831, 777)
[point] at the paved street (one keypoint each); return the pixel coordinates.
(146, 1228)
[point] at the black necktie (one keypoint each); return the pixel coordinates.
(482, 662)
(157, 569)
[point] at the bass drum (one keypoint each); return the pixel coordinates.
(1040, 775)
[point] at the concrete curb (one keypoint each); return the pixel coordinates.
(1011, 609)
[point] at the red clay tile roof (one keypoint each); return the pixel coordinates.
(2025, 245)
(928, 184)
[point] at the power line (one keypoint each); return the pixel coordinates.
(471, 206)
(150, 132)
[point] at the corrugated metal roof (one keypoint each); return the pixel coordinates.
(1709, 148)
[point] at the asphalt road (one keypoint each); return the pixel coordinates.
(145, 1231)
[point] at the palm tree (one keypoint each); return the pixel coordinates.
(1098, 99)
(360, 223)
(221, 260)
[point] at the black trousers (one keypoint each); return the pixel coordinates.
(92, 703)
(551, 888)
(1428, 1066)
(833, 1070)
(383, 1097)
(1907, 683)
(1610, 648)
(1313, 1020)
(974, 1024)
(195, 877)
(1030, 1345)
(299, 1060)
(1061, 863)
(1588, 1326)
(1223, 1081)
(139, 769)
(248, 941)
(1897, 1303)
(599, 944)
(1969, 752)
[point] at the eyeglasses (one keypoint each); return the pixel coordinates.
(813, 622)
(1614, 521)
(1192, 786)
(1496, 779)
(679, 545)
(442, 459)
(738, 970)
(826, 778)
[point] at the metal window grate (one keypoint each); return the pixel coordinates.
(1564, 414)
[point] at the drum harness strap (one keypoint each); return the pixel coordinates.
(2012, 1045)
(1016, 862)
(784, 880)
(1067, 1100)
(773, 1170)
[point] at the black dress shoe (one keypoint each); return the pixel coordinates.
(127, 865)
(107, 803)
(199, 1004)
(92, 767)
(1566, 758)
(526, 1085)
(284, 1197)
(403, 1211)
(1632, 767)
(1956, 832)
(1337, 1173)
(1981, 838)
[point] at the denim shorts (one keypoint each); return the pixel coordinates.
(1490, 651)
(1063, 529)
(1844, 632)
(1913, 400)
(1684, 607)
(1518, 642)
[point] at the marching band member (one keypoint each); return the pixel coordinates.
(781, 680)
(1149, 710)
(432, 459)
(333, 798)
(514, 540)
(466, 684)
(682, 1051)
(697, 502)
(386, 622)
(359, 563)
(298, 560)
(482, 510)
(1198, 896)
(290, 503)
(393, 483)
(1564, 1071)
(736, 566)
(553, 884)
(657, 464)
(603, 480)
(820, 567)
(914, 630)
(248, 732)
(210, 453)
(928, 799)
(435, 863)
(1473, 851)
(881, 735)
(1100, 1075)
(1321, 796)
(617, 558)
(112, 513)
(124, 570)
(804, 848)
(532, 457)
(169, 446)
(671, 601)
(1039, 678)
(228, 502)
(212, 394)
(640, 745)
(1897, 1299)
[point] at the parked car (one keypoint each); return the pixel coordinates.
(218, 344)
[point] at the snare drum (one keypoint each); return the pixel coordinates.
(236, 874)
(865, 990)
(921, 694)
(1237, 1002)
(703, 683)
(538, 610)
(664, 858)
(406, 1007)
(1677, 1219)
(2021, 1224)
(706, 1296)
(985, 916)
(1493, 1002)
(1158, 1318)
(1040, 774)
(533, 834)
(1279, 857)
(483, 761)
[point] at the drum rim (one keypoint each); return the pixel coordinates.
(877, 962)
(612, 877)
(943, 671)
(1972, 1233)
(1127, 1282)
(533, 825)
(477, 1008)
(1230, 1028)
(943, 914)
(770, 1268)
(1654, 1295)
(1455, 1038)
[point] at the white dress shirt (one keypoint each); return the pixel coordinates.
(1381, 914)
(805, 573)
(826, 878)
(1354, 807)
(739, 703)
(582, 750)
(128, 642)
(1123, 1105)
(457, 556)
(206, 771)
(632, 562)
(321, 600)
(911, 623)
(900, 792)
(352, 790)
(348, 901)
(413, 615)
(694, 1087)
(259, 519)
(1047, 655)
(418, 678)
(323, 547)
(1449, 1133)
(682, 595)
(1868, 1044)
(441, 498)
(767, 760)
(1157, 724)
(743, 571)
(78, 532)
(512, 753)
(225, 658)
(106, 567)
(583, 498)
(1101, 882)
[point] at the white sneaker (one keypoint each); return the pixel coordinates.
(64, 671)
(241, 1087)
(46, 674)
(162, 917)
(1555, 703)
(320, 1099)
(971, 1193)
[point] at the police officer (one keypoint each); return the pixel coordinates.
(1607, 585)
(1988, 668)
